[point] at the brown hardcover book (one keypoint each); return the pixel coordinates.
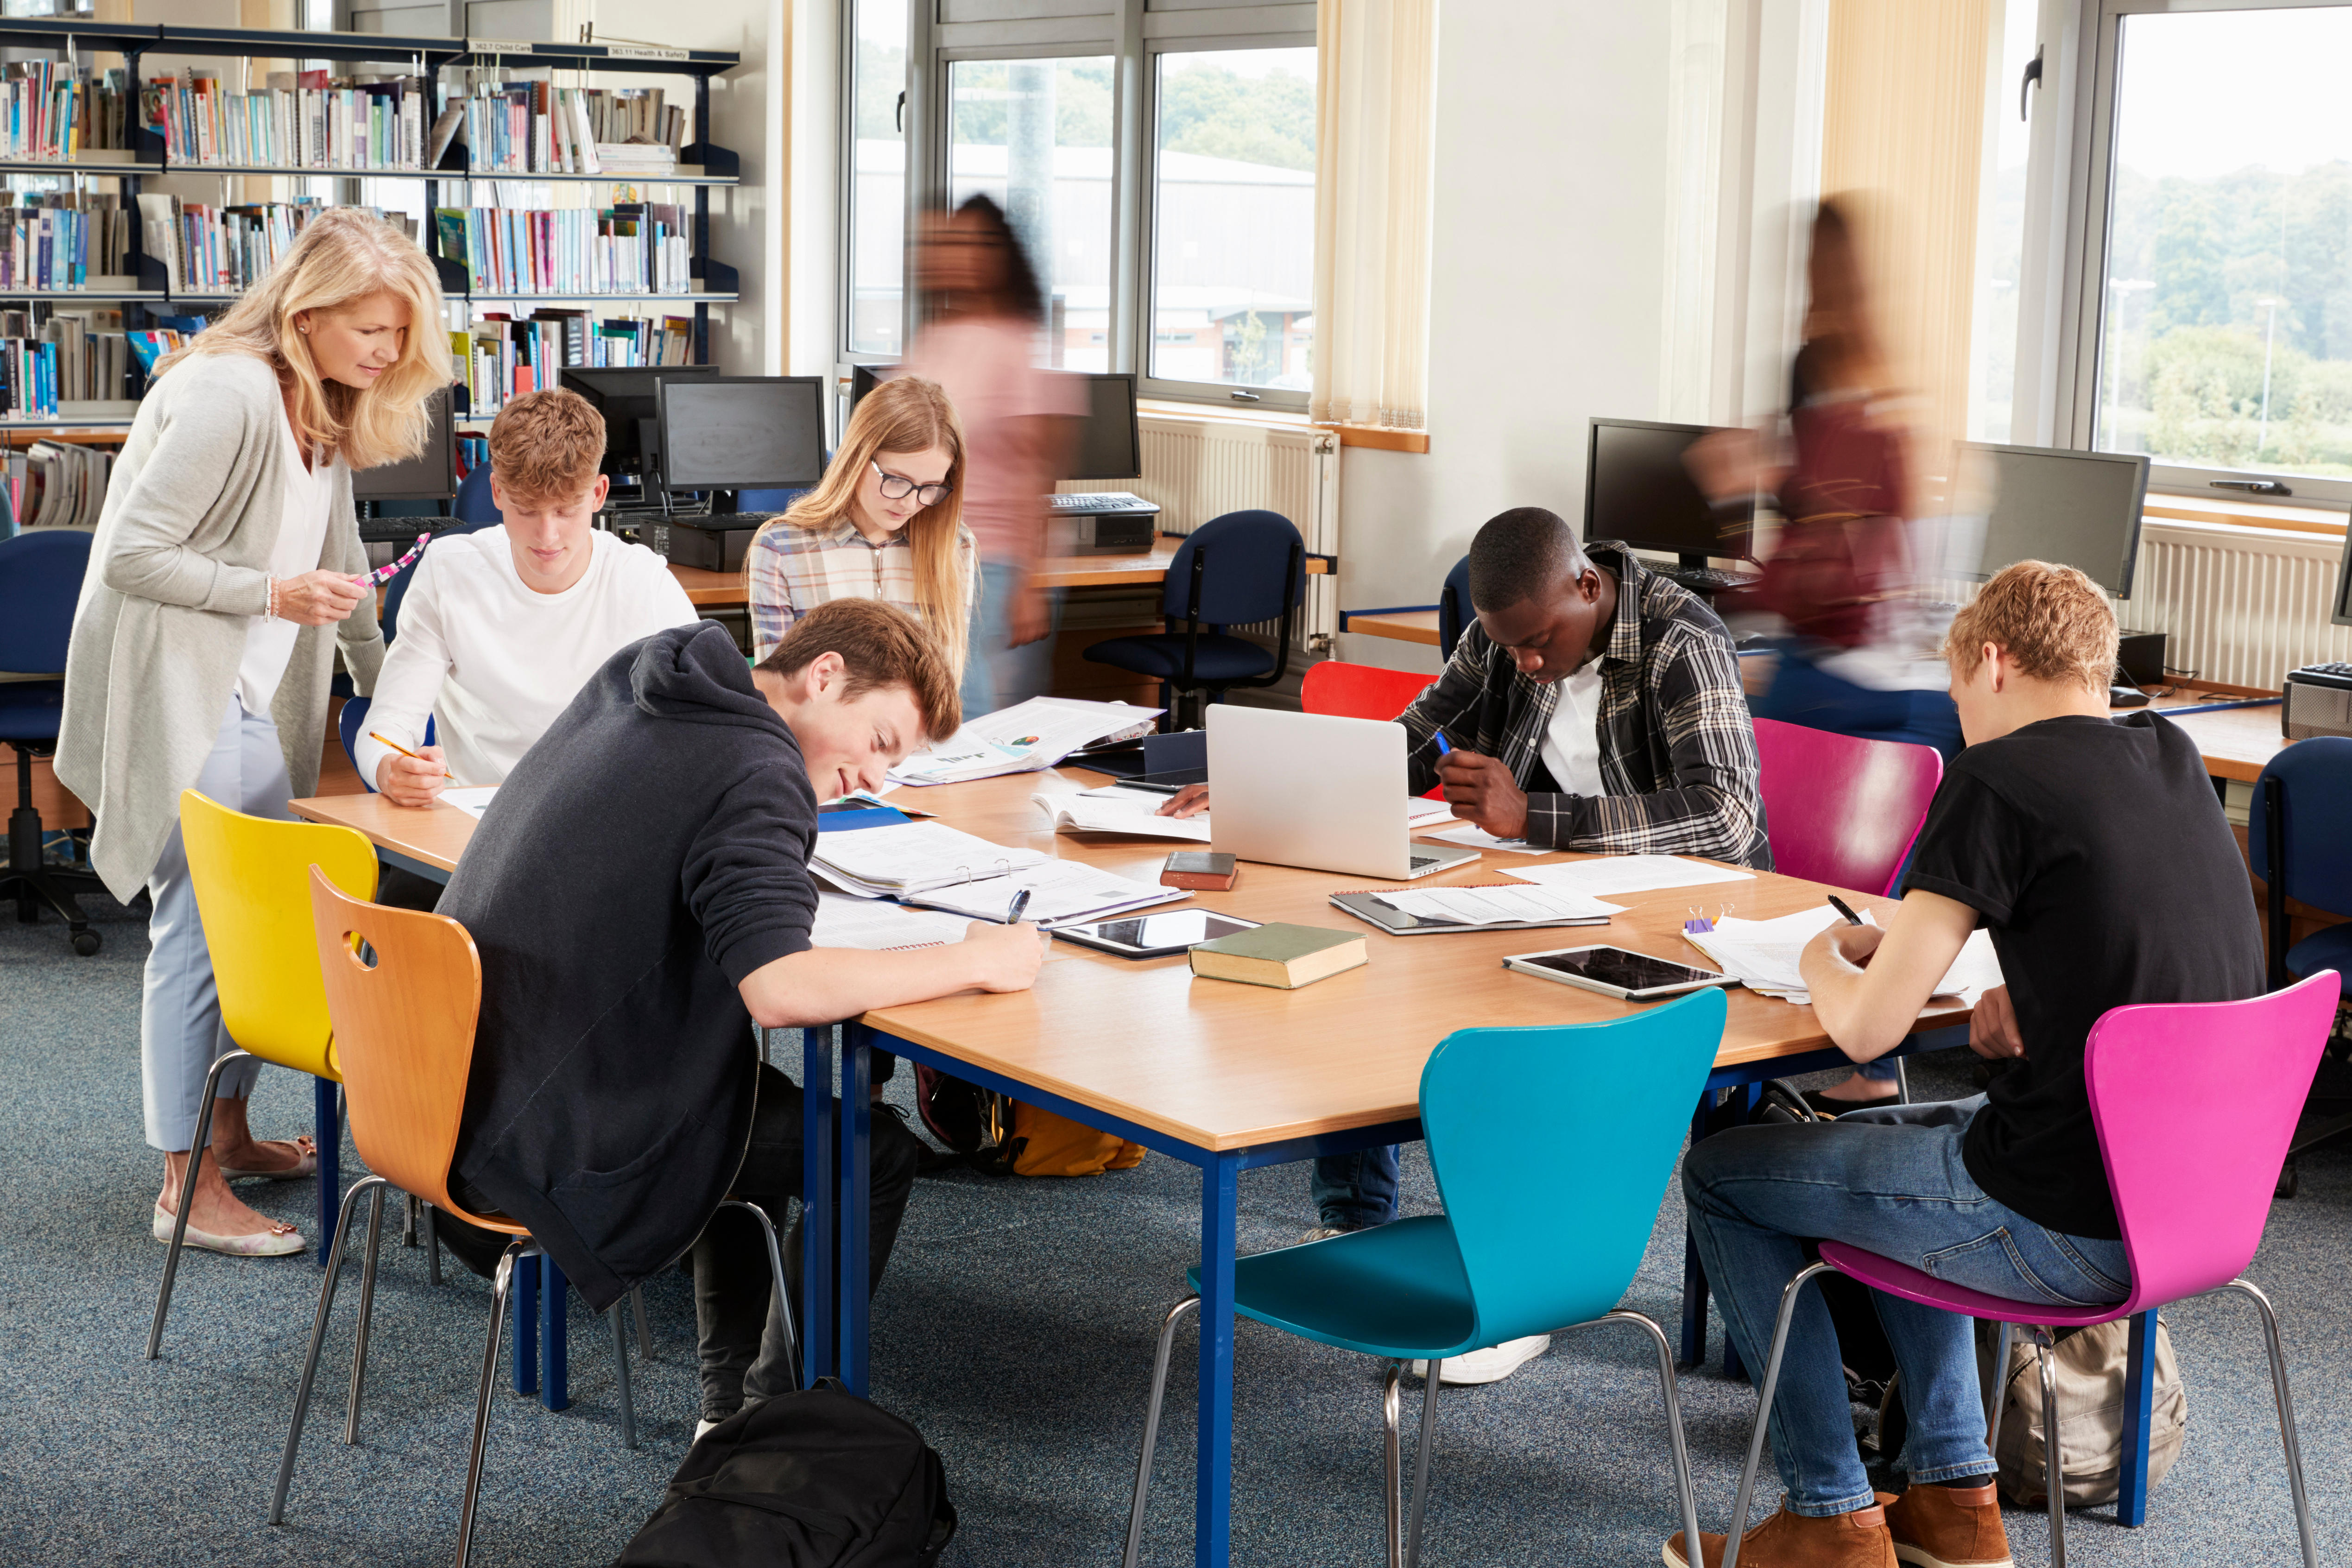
(1284, 956)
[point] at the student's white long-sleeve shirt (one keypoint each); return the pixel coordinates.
(494, 662)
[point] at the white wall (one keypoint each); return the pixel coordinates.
(1547, 287)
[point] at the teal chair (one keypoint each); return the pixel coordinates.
(1494, 1266)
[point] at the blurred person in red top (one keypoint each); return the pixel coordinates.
(1855, 646)
(982, 343)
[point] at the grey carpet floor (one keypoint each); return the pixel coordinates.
(1016, 1330)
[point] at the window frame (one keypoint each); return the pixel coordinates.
(2082, 319)
(1135, 38)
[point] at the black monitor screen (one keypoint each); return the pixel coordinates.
(2340, 612)
(1109, 443)
(742, 432)
(865, 378)
(1636, 488)
(431, 474)
(2036, 503)
(627, 396)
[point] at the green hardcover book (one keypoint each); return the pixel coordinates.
(1284, 956)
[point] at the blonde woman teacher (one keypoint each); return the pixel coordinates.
(223, 578)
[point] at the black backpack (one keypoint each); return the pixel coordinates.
(816, 1478)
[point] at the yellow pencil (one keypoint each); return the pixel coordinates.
(404, 752)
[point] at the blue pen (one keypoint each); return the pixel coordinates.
(1443, 749)
(1020, 902)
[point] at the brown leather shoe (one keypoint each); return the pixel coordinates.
(1856, 1540)
(1947, 1527)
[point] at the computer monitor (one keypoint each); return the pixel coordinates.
(730, 433)
(1637, 490)
(865, 378)
(1109, 438)
(2340, 610)
(2041, 503)
(626, 395)
(431, 474)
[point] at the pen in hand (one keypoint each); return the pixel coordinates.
(404, 752)
(1020, 902)
(1841, 907)
(1443, 749)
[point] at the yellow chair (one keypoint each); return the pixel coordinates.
(252, 881)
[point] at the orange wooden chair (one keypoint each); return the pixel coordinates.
(405, 1040)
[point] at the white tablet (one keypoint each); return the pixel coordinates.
(1155, 935)
(1614, 972)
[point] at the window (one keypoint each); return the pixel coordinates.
(875, 180)
(1157, 159)
(2218, 318)
(1035, 137)
(1233, 276)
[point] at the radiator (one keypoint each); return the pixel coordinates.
(2241, 606)
(1199, 468)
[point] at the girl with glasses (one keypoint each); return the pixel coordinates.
(886, 523)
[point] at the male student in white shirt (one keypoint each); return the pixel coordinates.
(503, 627)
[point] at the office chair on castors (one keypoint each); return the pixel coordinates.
(1238, 570)
(40, 579)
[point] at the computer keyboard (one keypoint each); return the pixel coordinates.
(1099, 501)
(1713, 579)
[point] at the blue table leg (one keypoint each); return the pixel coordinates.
(1213, 1499)
(524, 1296)
(817, 1178)
(554, 1343)
(327, 1127)
(856, 1186)
(2139, 1399)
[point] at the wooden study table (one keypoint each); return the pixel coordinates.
(1402, 626)
(720, 590)
(1225, 1077)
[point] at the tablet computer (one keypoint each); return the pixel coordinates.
(1614, 972)
(1155, 935)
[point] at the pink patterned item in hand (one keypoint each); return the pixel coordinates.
(384, 575)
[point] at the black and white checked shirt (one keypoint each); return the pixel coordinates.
(1677, 746)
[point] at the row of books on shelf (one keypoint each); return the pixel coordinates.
(57, 239)
(532, 127)
(223, 249)
(300, 120)
(636, 247)
(49, 110)
(502, 357)
(51, 484)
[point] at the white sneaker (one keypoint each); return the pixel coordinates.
(1492, 1364)
(702, 1429)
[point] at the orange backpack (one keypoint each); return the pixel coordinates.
(996, 1133)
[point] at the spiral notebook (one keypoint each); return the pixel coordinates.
(912, 857)
(1061, 892)
(878, 927)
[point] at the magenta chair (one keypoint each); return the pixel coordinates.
(2192, 1193)
(1840, 809)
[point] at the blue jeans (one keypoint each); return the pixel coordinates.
(1355, 1192)
(995, 673)
(1889, 1180)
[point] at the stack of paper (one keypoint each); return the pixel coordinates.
(1606, 876)
(1061, 892)
(472, 802)
(879, 927)
(1488, 909)
(1027, 738)
(891, 862)
(1763, 955)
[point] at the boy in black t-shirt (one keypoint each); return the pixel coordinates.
(2096, 853)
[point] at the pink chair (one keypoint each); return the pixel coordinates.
(1843, 810)
(2192, 1192)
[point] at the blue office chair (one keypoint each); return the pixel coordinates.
(2299, 841)
(352, 721)
(1240, 569)
(474, 504)
(1598, 1108)
(40, 580)
(1453, 609)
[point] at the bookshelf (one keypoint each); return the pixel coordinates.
(701, 167)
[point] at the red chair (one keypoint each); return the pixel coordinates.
(1843, 810)
(1360, 690)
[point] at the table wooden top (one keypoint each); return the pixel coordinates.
(1402, 626)
(1225, 1066)
(1143, 570)
(2234, 741)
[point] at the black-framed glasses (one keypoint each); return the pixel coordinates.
(896, 487)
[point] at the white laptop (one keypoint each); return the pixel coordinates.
(1305, 789)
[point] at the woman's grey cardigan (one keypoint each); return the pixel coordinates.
(177, 568)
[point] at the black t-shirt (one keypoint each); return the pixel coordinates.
(2095, 851)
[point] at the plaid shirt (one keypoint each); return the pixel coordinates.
(794, 570)
(1677, 746)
